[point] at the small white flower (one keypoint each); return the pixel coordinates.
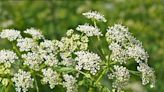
(7, 57)
(33, 60)
(89, 30)
(10, 34)
(70, 83)
(69, 32)
(50, 59)
(94, 15)
(121, 76)
(50, 77)
(48, 46)
(124, 46)
(118, 33)
(26, 44)
(69, 44)
(36, 34)
(66, 59)
(23, 81)
(118, 54)
(88, 61)
(138, 53)
(147, 74)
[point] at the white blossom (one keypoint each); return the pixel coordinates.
(48, 46)
(118, 54)
(26, 44)
(138, 53)
(118, 33)
(70, 83)
(36, 34)
(94, 15)
(66, 59)
(147, 74)
(7, 57)
(69, 32)
(69, 44)
(10, 34)
(50, 59)
(124, 46)
(48, 51)
(88, 61)
(89, 30)
(50, 77)
(33, 60)
(22, 81)
(121, 77)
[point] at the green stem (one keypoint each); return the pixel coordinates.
(135, 72)
(8, 87)
(94, 22)
(86, 75)
(90, 89)
(101, 75)
(15, 48)
(36, 85)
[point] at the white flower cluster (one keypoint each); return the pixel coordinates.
(66, 60)
(33, 60)
(147, 74)
(56, 62)
(94, 15)
(7, 57)
(70, 32)
(23, 81)
(26, 44)
(88, 61)
(89, 30)
(124, 46)
(118, 54)
(10, 34)
(138, 53)
(36, 34)
(48, 52)
(121, 76)
(70, 83)
(67, 45)
(72, 43)
(50, 77)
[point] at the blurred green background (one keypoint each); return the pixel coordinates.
(145, 19)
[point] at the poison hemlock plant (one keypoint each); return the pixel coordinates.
(69, 63)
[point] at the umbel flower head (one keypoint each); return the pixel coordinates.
(7, 57)
(121, 77)
(70, 83)
(10, 34)
(147, 74)
(36, 34)
(89, 30)
(23, 81)
(124, 46)
(88, 61)
(94, 15)
(50, 77)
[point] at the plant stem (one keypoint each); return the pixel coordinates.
(90, 89)
(36, 85)
(15, 48)
(101, 75)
